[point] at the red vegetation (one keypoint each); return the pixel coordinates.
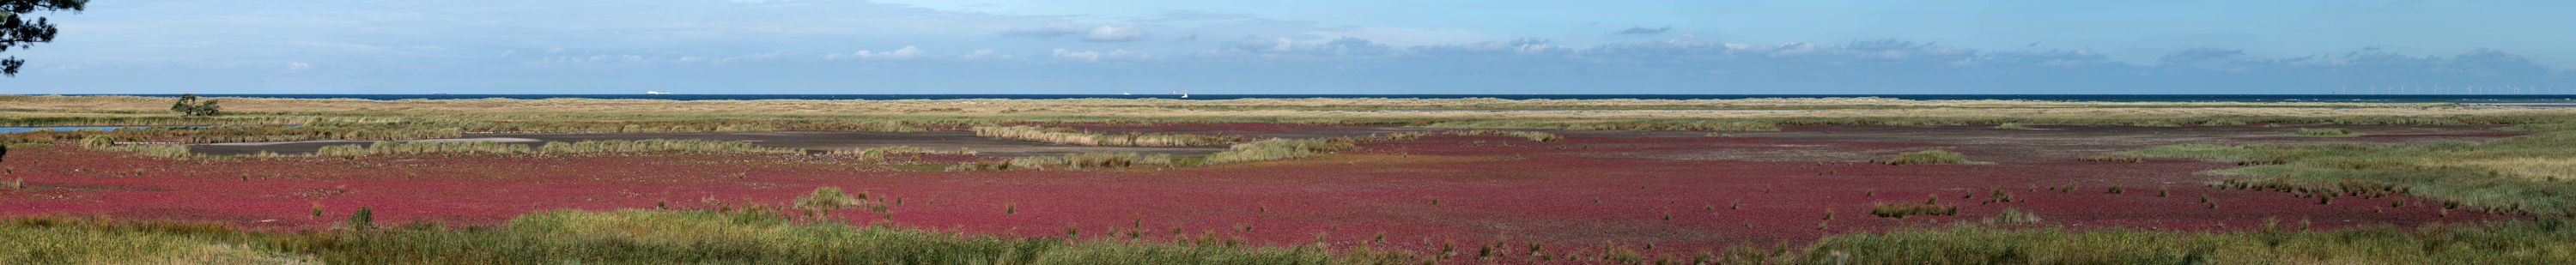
(1567, 195)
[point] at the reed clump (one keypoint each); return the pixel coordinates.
(1078, 137)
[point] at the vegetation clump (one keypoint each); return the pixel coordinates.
(189, 106)
(2011, 126)
(1275, 149)
(1903, 209)
(1078, 137)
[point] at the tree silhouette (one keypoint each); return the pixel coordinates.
(17, 31)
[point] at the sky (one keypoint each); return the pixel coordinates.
(1304, 47)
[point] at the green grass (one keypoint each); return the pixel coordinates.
(2518, 174)
(2548, 241)
(610, 237)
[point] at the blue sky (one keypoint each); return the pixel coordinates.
(1304, 47)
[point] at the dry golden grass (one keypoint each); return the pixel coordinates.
(2531, 167)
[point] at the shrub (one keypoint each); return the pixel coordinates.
(2325, 132)
(1934, 157)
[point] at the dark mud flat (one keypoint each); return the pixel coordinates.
(815, 141)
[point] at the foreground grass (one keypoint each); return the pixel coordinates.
(714, 237)
(606, 237)
(2529, 174)
(2548, 241)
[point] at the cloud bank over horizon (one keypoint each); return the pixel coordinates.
(853, 47)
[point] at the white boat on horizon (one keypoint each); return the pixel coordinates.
(656, 93)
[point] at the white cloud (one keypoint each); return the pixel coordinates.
(906, 52)
(506, 54)
(554, 50)
(298, 67)
(1114, 33)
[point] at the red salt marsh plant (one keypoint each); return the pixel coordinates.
(1932, 157)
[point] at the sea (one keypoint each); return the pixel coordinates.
(2534, 100)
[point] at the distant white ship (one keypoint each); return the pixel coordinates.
(656, 93)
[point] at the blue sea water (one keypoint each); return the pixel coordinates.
(2501, 99)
